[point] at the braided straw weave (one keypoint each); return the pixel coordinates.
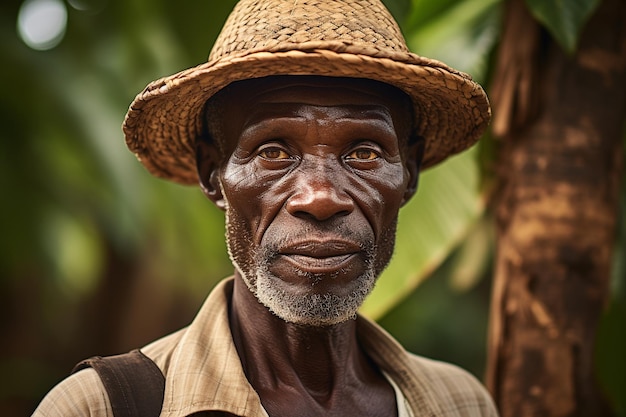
(337, 38)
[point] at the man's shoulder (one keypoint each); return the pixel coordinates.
(80, 394)
(458, 391)
(83, 392)
(437, 369)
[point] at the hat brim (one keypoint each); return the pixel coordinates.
(165, 120)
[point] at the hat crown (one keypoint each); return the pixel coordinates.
(273, 25)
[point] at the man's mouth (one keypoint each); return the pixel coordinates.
(320, 256)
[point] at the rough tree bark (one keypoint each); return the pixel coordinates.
(560, 119)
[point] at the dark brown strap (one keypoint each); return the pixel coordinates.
(134, 383)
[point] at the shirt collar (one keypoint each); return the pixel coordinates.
(400, 366)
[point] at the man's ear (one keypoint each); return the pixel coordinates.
(208, 159)
(414, 155)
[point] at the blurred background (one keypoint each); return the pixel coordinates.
(97, 257)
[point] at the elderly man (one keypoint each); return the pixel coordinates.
(308, 126)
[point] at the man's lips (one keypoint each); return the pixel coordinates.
(320, 256)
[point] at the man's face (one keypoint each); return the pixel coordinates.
(313, 176)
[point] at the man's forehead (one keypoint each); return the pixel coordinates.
(307, 109)
(290, 96)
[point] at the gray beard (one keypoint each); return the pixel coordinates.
(312, 309)
(309, 309)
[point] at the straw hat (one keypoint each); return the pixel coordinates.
(345, 38)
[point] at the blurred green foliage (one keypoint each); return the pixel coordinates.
(564, 20)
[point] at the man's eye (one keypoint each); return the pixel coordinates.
(273, 153)
(363, 154)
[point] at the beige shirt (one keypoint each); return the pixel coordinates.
(203, 373)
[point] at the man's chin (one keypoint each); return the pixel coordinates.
(308, 320)
(311, 308)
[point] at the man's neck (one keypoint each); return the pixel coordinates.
(319, 365)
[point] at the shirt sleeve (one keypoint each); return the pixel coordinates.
(81, 394)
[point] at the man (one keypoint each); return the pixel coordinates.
(308, 126)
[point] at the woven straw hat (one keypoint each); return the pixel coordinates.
(337, 38)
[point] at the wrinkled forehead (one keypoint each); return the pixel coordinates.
(231, 106)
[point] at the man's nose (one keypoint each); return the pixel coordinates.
(321, 194)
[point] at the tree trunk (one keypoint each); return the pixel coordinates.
(559, 168)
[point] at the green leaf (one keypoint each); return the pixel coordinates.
(472, 259)
(438, 217)
(564, 19)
